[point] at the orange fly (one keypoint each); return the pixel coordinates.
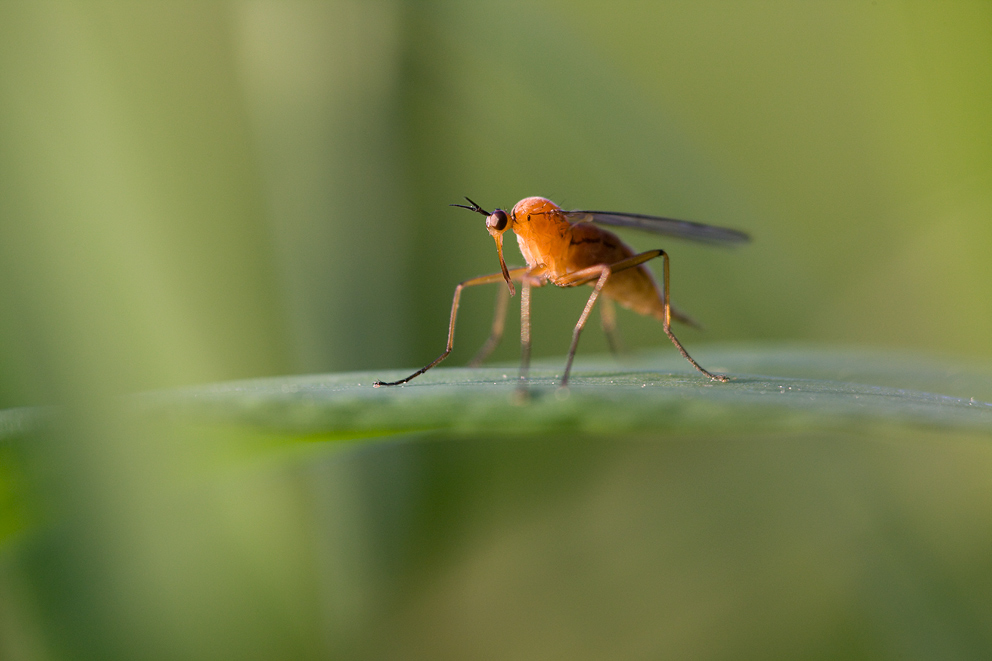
(565, 249)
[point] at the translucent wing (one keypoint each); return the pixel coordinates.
(683, 229)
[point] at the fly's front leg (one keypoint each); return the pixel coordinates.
(481, 280)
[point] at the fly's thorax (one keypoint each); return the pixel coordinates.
(542, 232)
(530, 253)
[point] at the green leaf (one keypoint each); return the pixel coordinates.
(773, 388)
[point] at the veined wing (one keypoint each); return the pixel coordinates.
(683, 229)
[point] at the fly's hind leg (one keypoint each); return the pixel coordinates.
(667, 324)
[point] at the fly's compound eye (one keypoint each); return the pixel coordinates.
(497, 220)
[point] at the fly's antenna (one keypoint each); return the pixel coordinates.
(475, 207)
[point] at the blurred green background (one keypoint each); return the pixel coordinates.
(193, 192)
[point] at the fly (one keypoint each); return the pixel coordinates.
(568, 249)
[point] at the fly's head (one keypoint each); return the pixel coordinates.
(497, 223)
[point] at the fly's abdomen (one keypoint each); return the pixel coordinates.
(635, 289)
(632, 288)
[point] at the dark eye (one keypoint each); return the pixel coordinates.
(497, 220)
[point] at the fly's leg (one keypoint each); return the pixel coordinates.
(499, 322)
(524, 331)
(589, 274)
(608, 317)
(604, 275)
(481, 280)
(600, 273)
(533, 278)
(668, 325)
